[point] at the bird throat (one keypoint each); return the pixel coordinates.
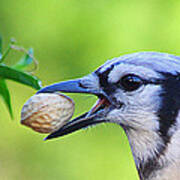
(147, 148)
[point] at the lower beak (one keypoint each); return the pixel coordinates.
(78, 123)
(85, 120)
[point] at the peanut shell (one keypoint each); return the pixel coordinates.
(47, 112)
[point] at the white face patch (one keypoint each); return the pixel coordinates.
(139, 110)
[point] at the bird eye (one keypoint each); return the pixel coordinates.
(131, 82)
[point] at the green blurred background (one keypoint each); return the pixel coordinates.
(71, 38)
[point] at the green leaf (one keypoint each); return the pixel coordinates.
(4, 92)
(19, 76)
(0, 47)
(24, 61)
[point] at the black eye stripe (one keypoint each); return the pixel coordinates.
(154, 82)
(103, 80)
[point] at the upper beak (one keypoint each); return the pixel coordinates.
(72, 86)
(76, 86)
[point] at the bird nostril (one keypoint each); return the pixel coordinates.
(82, 86)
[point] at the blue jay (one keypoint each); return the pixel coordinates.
(141, 93)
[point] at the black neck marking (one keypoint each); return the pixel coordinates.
(168, 112)
(170, 104)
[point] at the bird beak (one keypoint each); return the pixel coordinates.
(90, 118)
